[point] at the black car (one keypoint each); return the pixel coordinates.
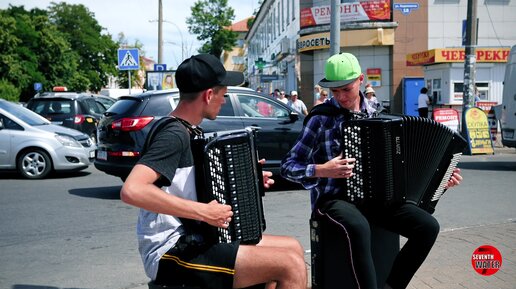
(80, 111)
(124, 127)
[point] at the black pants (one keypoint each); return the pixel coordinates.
(418, 226)
(423, 112)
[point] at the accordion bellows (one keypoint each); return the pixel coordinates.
(399, 159)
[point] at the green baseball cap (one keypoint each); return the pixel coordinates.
(340, 69)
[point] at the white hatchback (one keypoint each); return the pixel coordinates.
(34, 147)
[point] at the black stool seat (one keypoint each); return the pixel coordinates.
(330, 266)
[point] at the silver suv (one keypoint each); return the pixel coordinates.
(34, 147)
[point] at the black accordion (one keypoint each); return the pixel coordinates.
(399, 159)
(227, 170)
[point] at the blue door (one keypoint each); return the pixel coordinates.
(411, 89)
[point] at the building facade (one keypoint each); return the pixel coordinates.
(289, 42)
(272, 60)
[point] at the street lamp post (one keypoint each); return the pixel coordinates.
(160, 37)
(160, 32)
(182, 40)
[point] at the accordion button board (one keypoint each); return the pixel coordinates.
(232, 176)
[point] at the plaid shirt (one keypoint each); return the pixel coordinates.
(318, 143)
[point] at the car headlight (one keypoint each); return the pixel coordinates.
(68, 141)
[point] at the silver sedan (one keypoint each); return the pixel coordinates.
(34, 147)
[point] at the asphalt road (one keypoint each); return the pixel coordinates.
(72, 231)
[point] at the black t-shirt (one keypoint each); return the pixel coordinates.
(170, 153)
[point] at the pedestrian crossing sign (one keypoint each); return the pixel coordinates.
(128, 59)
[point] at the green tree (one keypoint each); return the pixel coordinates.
(96, 51)
(61, 46)
(33, 50)
(210, 21)
(8, 91)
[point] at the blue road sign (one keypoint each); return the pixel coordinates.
(160, 67)
(38, 86)
(128, 59)
(406, 8)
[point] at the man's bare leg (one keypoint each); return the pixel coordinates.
(276, 260)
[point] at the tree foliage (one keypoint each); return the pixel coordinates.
(97, 51)
(210, 21)
(61, 46)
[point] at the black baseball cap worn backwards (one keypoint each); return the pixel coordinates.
(204, 71)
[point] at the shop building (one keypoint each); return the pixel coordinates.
(289, 43)
(272, 61)
(444, 73)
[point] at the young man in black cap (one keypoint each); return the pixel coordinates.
(162, 184)
(316, 162)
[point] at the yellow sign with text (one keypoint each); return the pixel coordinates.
(478, 132)
(447, 55)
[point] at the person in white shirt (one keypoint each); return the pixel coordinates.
(370, 96)
(422, 102)
(297, 104)
(282, 97)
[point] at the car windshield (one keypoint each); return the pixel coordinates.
(23, 113)
(54, 106)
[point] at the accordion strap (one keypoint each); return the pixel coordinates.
(195, 131)
(331, 110)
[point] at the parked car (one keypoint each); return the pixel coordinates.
(80, 111)
(124, 127)
(34, 147)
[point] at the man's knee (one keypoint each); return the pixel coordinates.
(297, 267)
(342, 216)
(428, 230)
(432, 228)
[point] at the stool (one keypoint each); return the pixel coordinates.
(327, 244)
(153, 285)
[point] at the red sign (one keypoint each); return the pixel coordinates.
(360, 10)
(447, 116)
(374, 76)
(486, 260)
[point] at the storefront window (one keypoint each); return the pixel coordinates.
(483, 90)
(436, 91)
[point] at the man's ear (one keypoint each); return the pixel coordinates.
(207, 95)
(361, 77)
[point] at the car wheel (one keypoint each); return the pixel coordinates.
(34, 164)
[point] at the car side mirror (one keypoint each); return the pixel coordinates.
(1, 124)
(293, 116)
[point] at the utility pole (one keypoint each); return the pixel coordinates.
(160, 32)
(468, 98)
(335, 27)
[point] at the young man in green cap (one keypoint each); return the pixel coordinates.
(316, 162)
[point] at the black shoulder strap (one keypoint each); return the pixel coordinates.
(327, 109)
(156, 127)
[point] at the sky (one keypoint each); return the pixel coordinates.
(137, 19)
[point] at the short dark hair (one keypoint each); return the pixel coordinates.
(424, 90)
(191, 96)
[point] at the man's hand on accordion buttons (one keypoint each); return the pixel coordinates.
(267, 181)
(217, 214)
(337, 167)
(455, 179)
